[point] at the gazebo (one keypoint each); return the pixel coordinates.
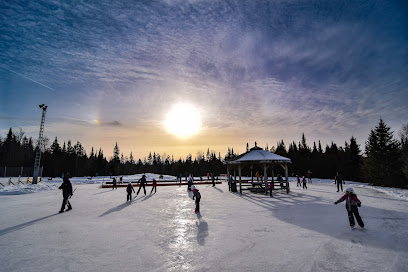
(258, 156)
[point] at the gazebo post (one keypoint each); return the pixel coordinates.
(287, 178)
(240, 183)
(252, 177)
(266, 178)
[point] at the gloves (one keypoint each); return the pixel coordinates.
(336, 202)
(359, 204)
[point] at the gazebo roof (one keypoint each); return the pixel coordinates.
(258, 155)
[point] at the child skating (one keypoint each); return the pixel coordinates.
(129, 190)
(304, 182)
(352, 204)
(154, 185)
(197, 196)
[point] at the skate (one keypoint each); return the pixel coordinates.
(61, 211)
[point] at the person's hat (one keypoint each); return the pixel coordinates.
(350, 190)
(193, 187)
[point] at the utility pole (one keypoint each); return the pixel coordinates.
(38, 149)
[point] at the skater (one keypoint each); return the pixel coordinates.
(257, 176)
(309, 176)
(120, 180)
(304, 182)
(129, 190)
(352, 204)
(271, 187)
(197, 196)
(114, 186)
(66, 187)
(230, 180)
(189, 182)
(180, 177)
(280, 179)
(339, 180)
(298, 181)
(213, 179)
(154, 185)
(208, 176)
(142, 182)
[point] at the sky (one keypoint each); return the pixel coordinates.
(112, 71)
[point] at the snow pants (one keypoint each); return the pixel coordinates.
(339, 186)
(129, 197)
(197, 202)
(354, 213)
(140, 187)
(65, 201)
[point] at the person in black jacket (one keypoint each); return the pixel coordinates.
(142, 182)
(66, 188)
(197, 197)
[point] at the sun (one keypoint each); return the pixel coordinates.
(183, 120)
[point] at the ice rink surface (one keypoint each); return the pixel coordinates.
(300, 231)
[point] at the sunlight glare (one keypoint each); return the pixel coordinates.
(183, 120)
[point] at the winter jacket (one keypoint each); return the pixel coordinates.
(142, 180)
(351, 201)
(130, 188)
(66, 187)
(196, 195)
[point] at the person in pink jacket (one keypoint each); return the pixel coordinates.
(352, 204)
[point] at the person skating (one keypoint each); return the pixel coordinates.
(197, 197)
(66, 188)
(213, 179)
(114, 186)
(154, 185)
(142, 182)
(298, 181)
(129, 190)
(309, 176)
(352, 204)
(189, 182)
(339, 180)
(304, 182)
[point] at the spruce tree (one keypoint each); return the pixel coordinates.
(381, 165)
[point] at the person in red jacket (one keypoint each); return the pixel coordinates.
(352, 204)
(154, 185)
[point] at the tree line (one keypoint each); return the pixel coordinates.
(384, 162)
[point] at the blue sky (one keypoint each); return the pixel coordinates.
(255, 70)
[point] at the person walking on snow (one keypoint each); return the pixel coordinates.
(66, 188)
(339, 180)
(197, 196)
(154, 185)
(129, 190)
(352, 204)
(142, 182)
(304, 182)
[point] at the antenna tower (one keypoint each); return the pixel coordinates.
(37, 161)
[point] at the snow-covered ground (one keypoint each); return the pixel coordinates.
(300, 231)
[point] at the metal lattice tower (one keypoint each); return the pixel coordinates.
(37, 161)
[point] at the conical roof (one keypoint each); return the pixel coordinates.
(258, 155)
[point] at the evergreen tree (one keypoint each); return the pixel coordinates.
(403, 134)
(381, 164)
